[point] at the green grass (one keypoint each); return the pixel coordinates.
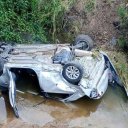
(122, 42)
(90, 5)
(123, 15)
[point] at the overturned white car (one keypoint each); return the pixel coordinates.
(72, 71)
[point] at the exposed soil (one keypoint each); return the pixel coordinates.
(97, 23)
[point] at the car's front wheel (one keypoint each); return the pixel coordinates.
(72, 72)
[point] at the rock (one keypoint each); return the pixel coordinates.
(113, 41)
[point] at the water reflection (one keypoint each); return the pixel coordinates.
(36, 110)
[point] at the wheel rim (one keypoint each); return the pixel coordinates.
(72, 72)
(84, 45)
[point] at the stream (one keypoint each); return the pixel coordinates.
(35, 111)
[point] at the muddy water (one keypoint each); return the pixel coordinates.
(37, 112)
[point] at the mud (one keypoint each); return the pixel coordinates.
(37, 112)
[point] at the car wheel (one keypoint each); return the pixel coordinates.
(72, 72)
(84, 41)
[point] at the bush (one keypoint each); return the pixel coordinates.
(123, 15)
(27, 20)
(90, 5)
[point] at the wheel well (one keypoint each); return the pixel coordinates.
(26, 80)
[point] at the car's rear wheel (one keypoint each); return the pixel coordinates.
(72, 72)
(84, 42)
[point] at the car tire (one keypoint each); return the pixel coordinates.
(87, 42)
(72, 72)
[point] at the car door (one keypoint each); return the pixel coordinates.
(12, 92)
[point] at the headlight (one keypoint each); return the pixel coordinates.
(94, 93)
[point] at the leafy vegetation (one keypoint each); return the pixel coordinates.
(89, 5)
(27, 20)
(123, 14)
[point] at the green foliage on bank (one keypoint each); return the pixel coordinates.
(90, 5)
(24, 21)
(123, 15)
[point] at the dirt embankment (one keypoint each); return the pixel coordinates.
(95, 20)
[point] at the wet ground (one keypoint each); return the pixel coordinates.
(37, 112)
